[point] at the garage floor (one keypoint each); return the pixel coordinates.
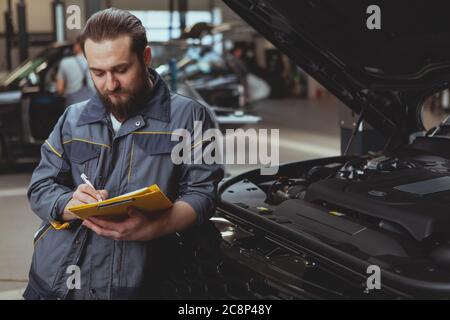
(308, 129)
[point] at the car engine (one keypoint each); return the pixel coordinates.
(388, 205)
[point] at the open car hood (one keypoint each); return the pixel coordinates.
(386, 73)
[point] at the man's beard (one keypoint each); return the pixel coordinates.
(122, 110)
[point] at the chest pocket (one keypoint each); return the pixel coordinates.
(150, 160)
(154, 144)
(84, 156)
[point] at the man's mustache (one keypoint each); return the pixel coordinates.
(120, 91)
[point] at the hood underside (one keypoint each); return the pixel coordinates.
(386, 72)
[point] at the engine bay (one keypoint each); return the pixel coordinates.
(393, 208)
(411, 192)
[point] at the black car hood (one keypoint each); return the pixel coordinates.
(385, 73)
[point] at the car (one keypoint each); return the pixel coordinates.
(208, 76)
(364, 226)
(29, 106)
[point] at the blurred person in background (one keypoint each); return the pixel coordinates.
(73, 80)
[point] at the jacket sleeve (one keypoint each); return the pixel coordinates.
(199, 181)
(51, 185)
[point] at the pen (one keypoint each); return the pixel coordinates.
(86, 180)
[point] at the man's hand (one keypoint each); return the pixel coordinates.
(139, 226)
(136, 227)
(83, 195)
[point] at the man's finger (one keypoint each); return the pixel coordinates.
(107, 224)
(136, 217)
(101, 231)
(132, 211)
(91, 191)
(84, 197)
(104, 194)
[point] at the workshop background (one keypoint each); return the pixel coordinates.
(203, 50)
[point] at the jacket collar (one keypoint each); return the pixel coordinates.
(157, 106)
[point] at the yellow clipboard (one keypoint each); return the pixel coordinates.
(149, 199)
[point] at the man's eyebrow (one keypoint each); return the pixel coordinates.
(125, 64)
(95, 69)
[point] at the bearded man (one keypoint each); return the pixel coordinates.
(121, 139)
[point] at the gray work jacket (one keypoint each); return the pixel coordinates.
(139, 155)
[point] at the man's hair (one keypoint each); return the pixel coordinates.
(112, 23)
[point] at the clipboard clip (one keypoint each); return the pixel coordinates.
(117, 203)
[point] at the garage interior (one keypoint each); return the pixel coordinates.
(312, 123)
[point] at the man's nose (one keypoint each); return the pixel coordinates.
(111, 82)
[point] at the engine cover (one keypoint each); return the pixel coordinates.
(417, 199)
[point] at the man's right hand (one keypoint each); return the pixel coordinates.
(83, 195)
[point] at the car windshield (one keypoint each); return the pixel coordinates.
(29, 67)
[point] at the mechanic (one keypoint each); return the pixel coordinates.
(121, 139)
(72, 79)
(237, 64)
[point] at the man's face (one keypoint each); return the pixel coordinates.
(118, 74)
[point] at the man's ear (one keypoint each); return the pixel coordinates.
(147, 56)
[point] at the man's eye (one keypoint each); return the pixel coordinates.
(121, 70)
(99, 74)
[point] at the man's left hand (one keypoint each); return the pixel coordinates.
(136, 227)
(139, 226)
